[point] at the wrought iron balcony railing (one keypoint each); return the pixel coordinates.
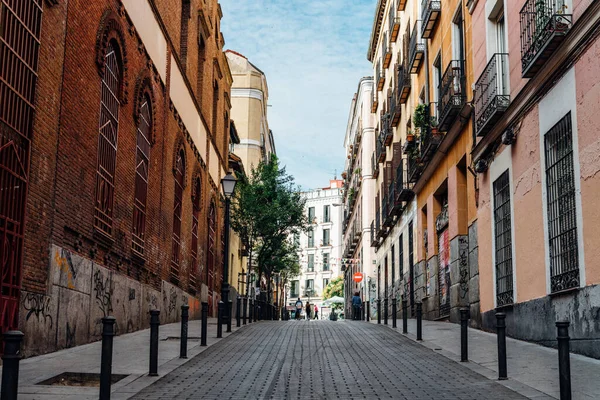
(430, 10)
(544, 25)
(374, 102)
(403, 188)
(386, 135)
(395, 109)
(492, 95)
(374, 166)
(416, 49)
(386, 51)
(374, 241)
(377, 220)
(403, 85)
(380, 150)
(430, 136)
(452, 91)
(415, 168)
(394, 26)
(384, 211)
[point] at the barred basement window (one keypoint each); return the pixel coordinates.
(503, 237)
(176, 237)
(107, 143)
(562, 215)
(141, 177)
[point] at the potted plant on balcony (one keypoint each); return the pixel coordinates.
(421, 117)
(410, 136)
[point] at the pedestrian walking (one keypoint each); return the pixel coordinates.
(298, 308)
(307, 312)
(316, 312)
(356, 303)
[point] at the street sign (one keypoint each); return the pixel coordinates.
(358, 277)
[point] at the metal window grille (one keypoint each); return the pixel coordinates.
(503, 238)
(20, 26)
(141, 178)
(176, 237)
(212, 227)
(393, 266)
(107, 142)
(194, 251)
(562, 218)
(401, 257)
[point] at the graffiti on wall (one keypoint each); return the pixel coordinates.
(463, 262)
(63, 260)
(103, 289)
(38, 305)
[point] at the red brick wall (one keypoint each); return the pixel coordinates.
(65, 146)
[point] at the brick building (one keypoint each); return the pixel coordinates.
(114, 135)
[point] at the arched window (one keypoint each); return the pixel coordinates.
(197, 191)
(107, 142)
(141, 176)
(212, 232)
(176, 241)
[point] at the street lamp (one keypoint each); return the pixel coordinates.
(228, 185)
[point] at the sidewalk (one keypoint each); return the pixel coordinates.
(532, 369)
(130, 357)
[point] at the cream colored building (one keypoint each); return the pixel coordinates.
(249, 97)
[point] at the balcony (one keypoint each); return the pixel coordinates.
(386, 51)
(402, 5)
(452, 92)
(387, 134)
(377, 221)
(374, 167)
(491, 96)
(385, 213)
(374, 240)
(430, 136)
(394, 26)
(380, 150)
(544, 26)
(415, 168)
(404, 84)
(374, 102)
(380, 77)
(416, 50)
(403, 188)
(395, 109)
(430, 10)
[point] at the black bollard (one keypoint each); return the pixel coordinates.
(404, 316)
(394, 313)
(419, 321)
(204, 328)
(220, 310)
(154, 323)
(238, 305)
(229, 309)
(250, 311)
(108, 332)
(464, 344)
(184, 331)
(501, 334)
(379, 311)
(368, 311)
(385, 311)
(10, 369)
(564, 359)
(245, 301)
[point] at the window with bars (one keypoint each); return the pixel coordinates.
(107, 142)
(401, 256)
(311, 263)
(503, 240)
(141, 177)
(194, 270)
(210, 259)
(325, 261)
(561, 209)
(177, 204)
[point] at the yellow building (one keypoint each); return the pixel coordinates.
(421, 160)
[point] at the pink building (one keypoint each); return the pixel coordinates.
(537, 156)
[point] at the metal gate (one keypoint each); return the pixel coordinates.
(20, 26)
(444, 272)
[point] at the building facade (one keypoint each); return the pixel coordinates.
(114, 136)
(359, 194)
(536, 155)
(320, 247)
(423, 211)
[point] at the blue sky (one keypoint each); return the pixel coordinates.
(313, 53)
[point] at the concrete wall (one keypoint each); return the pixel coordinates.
(82, 292)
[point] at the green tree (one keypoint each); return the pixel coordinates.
(335, 288)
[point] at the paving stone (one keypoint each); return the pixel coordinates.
(322, 360)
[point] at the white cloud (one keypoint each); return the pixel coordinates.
(313, 53)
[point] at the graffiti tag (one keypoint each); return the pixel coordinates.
(38, 305)
(103, 289)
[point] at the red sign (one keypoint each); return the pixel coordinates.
(358, 277)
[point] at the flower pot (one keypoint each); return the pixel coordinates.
(410, 137)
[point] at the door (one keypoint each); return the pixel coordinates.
(444, 272)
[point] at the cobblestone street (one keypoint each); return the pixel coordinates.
(322, 360)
